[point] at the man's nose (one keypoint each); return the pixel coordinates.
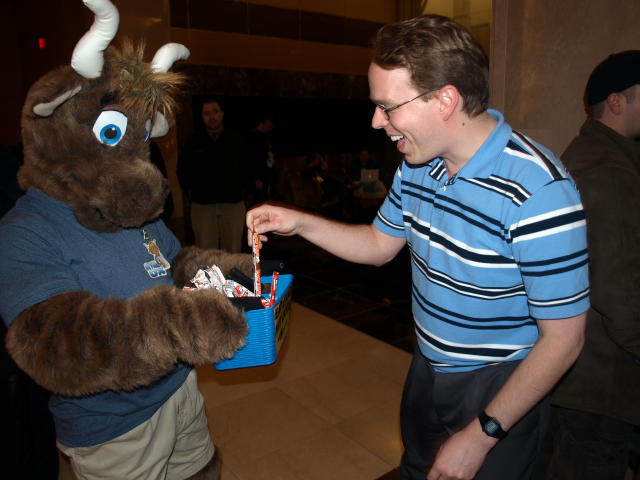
(379, 119)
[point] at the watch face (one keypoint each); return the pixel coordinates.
(492, 426)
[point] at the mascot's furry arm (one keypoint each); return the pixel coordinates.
(77, 344)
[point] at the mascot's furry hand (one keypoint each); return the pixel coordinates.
(77, 344)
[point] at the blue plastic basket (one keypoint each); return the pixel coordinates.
(268, 327)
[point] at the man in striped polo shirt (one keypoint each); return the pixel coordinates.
(496, 233)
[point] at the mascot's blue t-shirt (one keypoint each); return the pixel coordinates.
(46, 252)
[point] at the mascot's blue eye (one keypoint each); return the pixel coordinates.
(110, 127)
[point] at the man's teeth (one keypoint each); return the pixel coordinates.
(395, 138)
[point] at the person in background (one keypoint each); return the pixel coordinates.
(331, 181)
(262, 159)
(597, 404)
(497, 239)
(214, 172)
(365, 186)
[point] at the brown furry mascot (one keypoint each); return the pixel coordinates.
(91, 281)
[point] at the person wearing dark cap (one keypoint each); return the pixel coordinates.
(597, 404)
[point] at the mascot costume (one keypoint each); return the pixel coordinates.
(91, 281)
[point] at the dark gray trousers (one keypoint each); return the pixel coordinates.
(436, 405)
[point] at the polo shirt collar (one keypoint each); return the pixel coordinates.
(484, 158)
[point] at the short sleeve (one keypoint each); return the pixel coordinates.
(389, 219)
(549, 244)
(28, 277)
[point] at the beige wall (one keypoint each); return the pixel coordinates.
(474, 12)
(475, 15)
(254, 51)
(144, 19)
(149, 19)
(373, 10)
(542, 54)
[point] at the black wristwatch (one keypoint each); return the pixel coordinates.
(491, 426)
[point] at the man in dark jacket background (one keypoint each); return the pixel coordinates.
(598, 402)
(215, 175)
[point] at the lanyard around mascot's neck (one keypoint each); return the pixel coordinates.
(158, 266)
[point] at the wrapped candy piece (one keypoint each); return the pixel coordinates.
(274, 286)
(201, 280)
(257, 286)
(212, 277)
(216, 278)
(234, 289)
(240, 291)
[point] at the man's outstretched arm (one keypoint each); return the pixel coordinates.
(355, 243)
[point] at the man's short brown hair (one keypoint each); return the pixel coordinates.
(437, 52)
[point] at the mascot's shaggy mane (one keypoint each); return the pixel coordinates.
(139, 87)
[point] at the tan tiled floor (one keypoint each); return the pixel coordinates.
(327, 409)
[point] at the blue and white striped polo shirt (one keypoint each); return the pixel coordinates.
(496, 246)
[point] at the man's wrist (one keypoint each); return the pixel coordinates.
(491, 426)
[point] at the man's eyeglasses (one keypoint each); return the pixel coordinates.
(387, 110)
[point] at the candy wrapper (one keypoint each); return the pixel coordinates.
(256, 265)
(272, 296)
(212, 277)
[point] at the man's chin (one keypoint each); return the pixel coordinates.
(416, 161)
(411, 159)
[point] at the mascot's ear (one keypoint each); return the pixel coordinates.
(160, 126)
(46, 109)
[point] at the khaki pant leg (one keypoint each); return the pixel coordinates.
(204, 220)
(231, 223)
(173, 444)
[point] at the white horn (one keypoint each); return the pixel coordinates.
(87, 58)
(167, 55)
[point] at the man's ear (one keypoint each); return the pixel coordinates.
(615, 103)
(448, 96)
